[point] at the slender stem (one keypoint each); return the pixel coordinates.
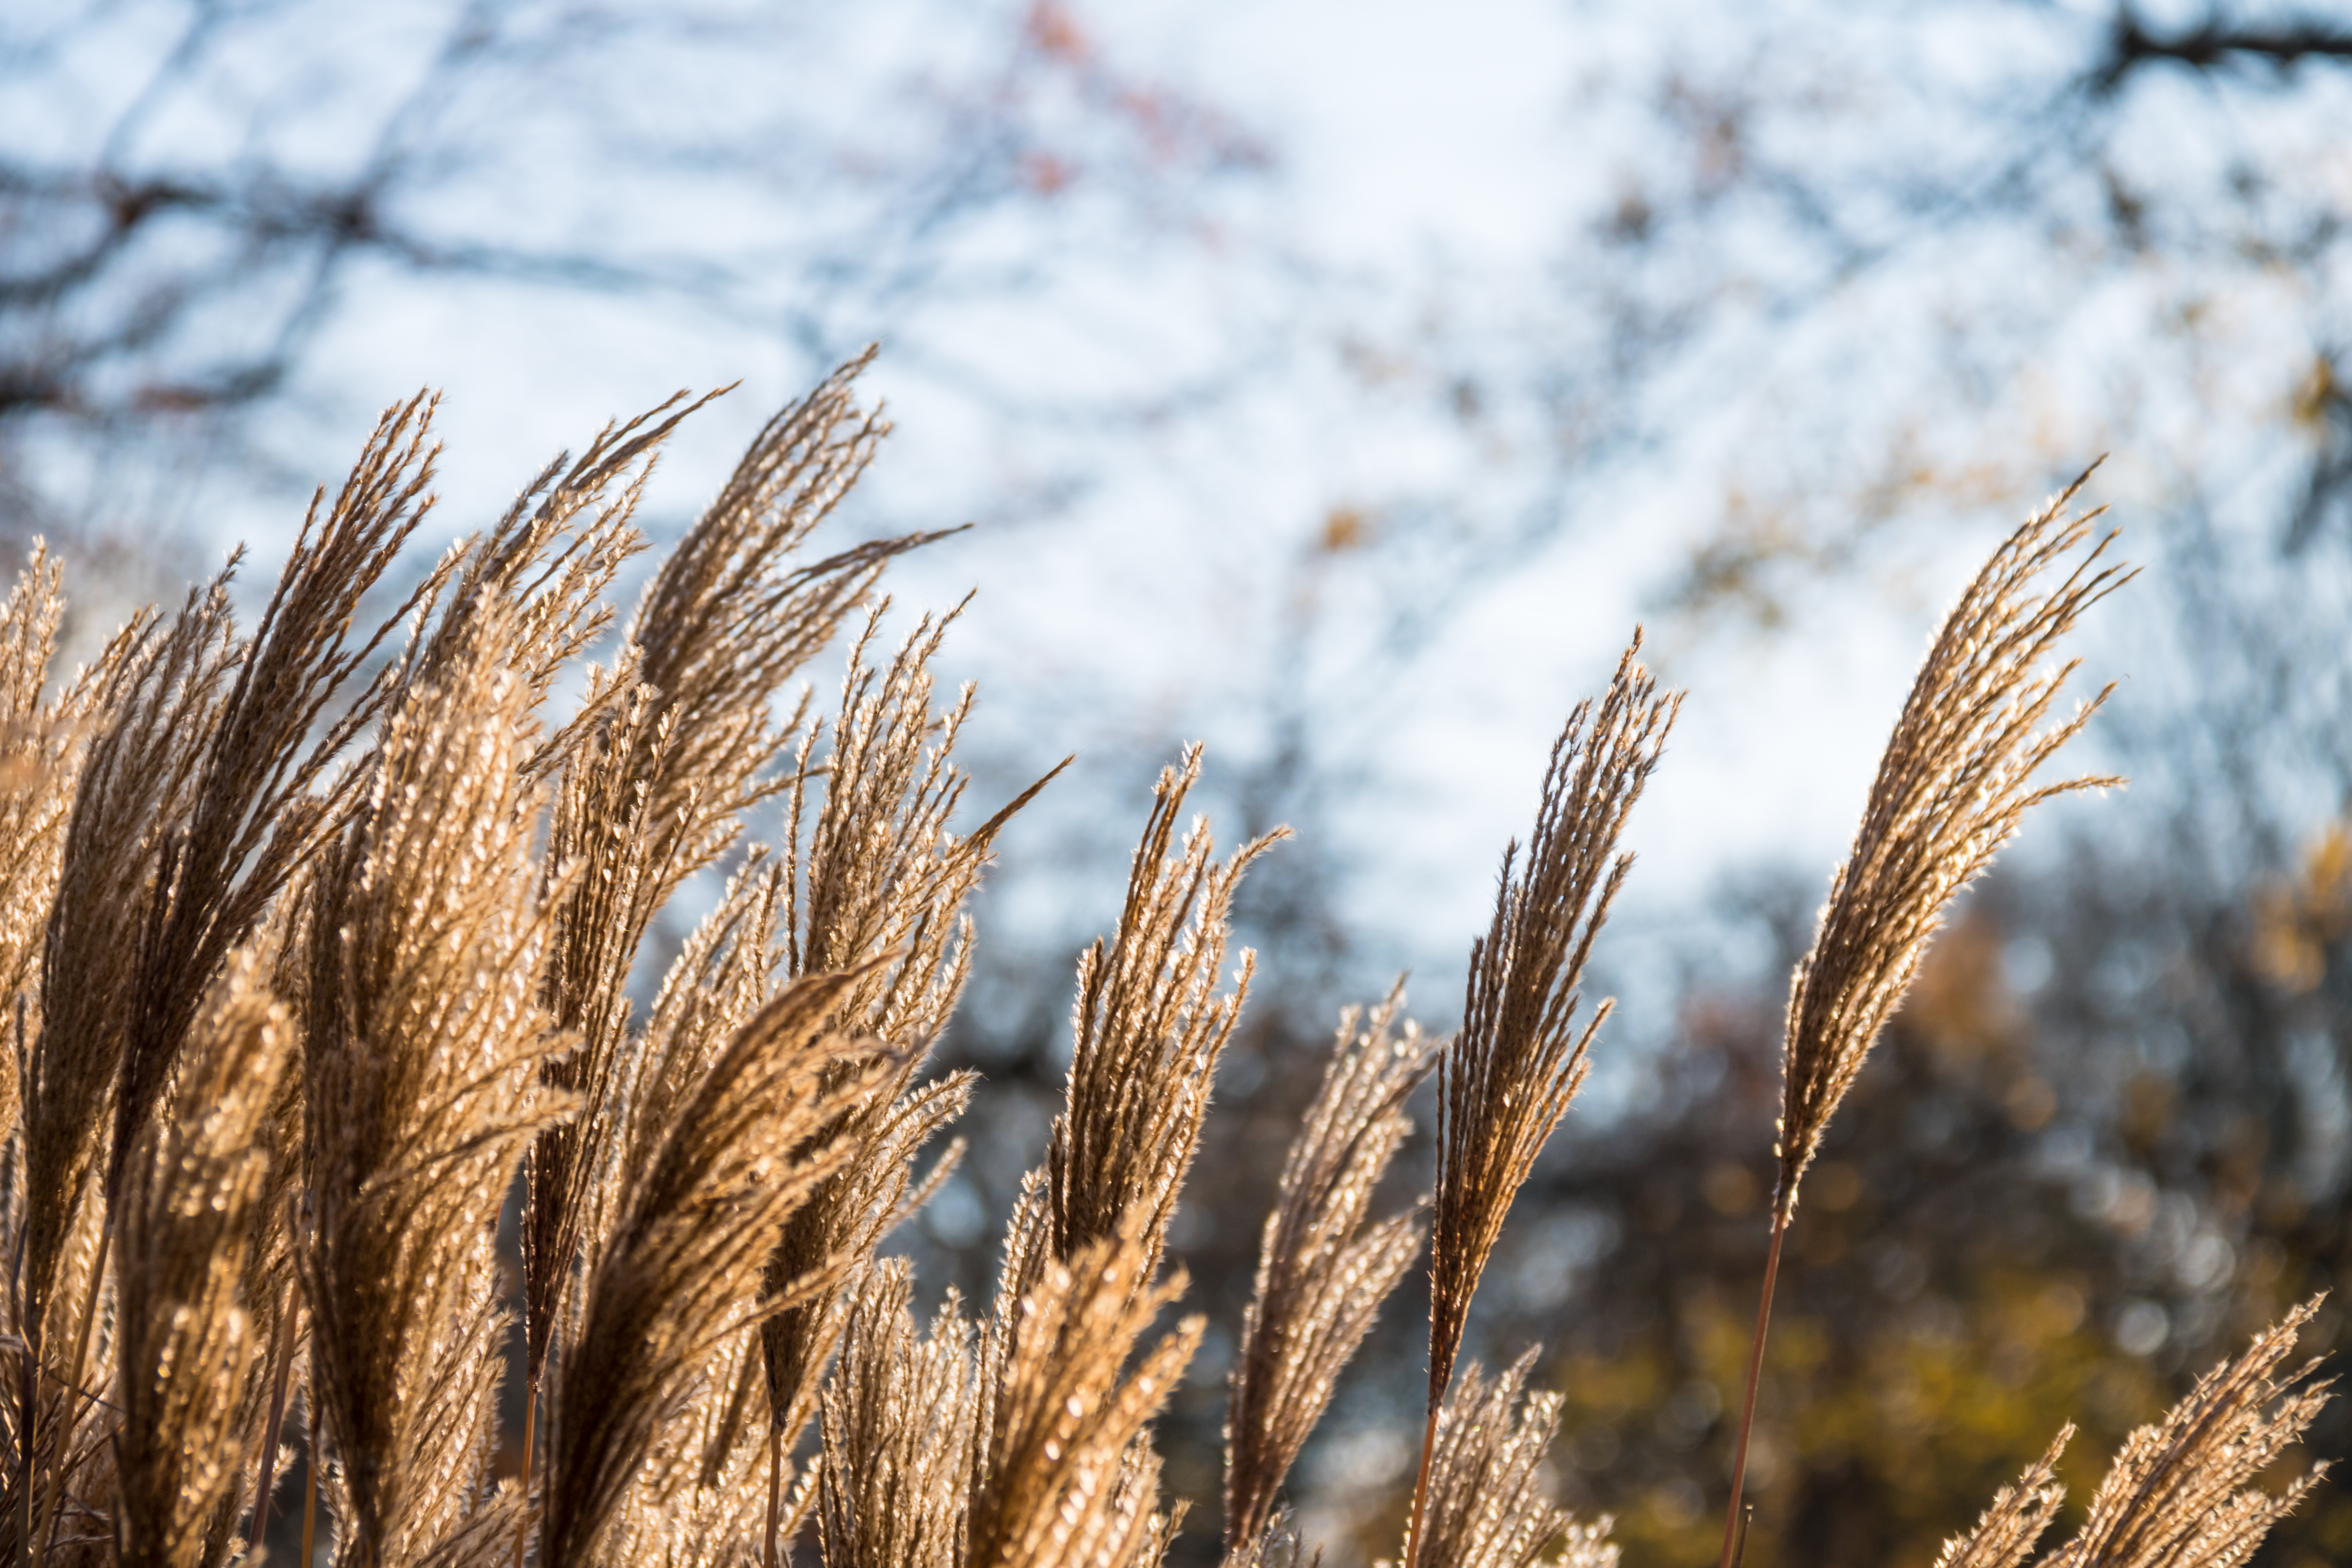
(28, 1394)
(28, 1361)
(529, 1438)
(311, 1488)
(1731, 1530)
(1421, 1485)
(775, 1490)
(266, 1482)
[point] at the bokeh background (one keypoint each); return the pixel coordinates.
(1338, 383)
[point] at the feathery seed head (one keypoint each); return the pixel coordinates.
(190, 1351)
(1066, 1475)
(1507, 1080)
(2182, 1492)
(1323, 1268)
(1952, 786)
(1149, 1028)
(693, 1230)
(2016, 1519)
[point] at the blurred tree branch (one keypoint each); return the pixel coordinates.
(205, 186)
(2216, 43)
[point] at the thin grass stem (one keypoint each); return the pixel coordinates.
(310, 1484)
(279, 1385)
(28, 1362)
(1421, 1485)
(28, 1392)
(529, 1439)
(1732, 1534)
(775, 1491)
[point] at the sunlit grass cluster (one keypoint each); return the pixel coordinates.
(321, 942)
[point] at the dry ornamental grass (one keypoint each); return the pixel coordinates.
(317, 951)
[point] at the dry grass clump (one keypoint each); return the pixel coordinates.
(195, 1192)
(2181, 1494)
(333, 956)
(899, 1432)
(1325, 1265)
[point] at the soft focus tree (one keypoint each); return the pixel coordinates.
(201, 202)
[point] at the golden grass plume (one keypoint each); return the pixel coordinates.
(1953, 784)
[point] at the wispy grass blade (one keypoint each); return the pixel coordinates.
(1324, 1267)
(1148, 1027)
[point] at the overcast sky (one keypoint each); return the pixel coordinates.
(1155, 389)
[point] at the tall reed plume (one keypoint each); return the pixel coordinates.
(1505, 1080)
(1956, 779)
(878, 887)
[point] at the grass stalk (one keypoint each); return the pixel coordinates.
(1732, 1533)
(311, 1483)
(775, 1492)
(280, 1378)
(1420, 1486)
(28, 1377)
(530, 1440)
